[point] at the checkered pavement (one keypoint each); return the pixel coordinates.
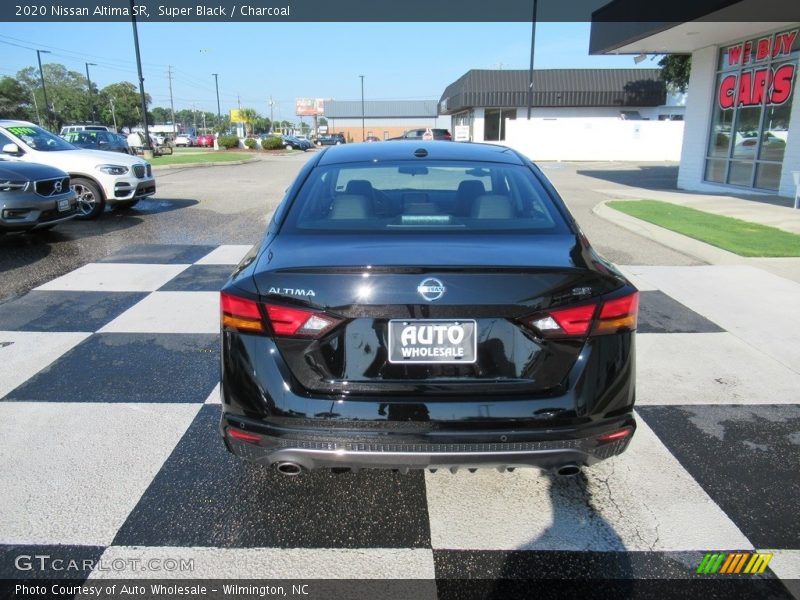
(109, 403)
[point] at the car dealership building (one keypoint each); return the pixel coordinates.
(742, 123)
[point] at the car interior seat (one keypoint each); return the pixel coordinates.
(350, 206)
(467, 191)
(492, 206)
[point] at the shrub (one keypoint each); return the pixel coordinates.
(272, 143)
(228, 141)
(250, 143)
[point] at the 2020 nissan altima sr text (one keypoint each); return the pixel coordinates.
(425, 306)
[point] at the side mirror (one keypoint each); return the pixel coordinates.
(11, 149)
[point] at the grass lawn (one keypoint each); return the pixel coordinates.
(199, 157)
(741, 237)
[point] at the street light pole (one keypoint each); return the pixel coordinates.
(41, 76)
(91, 101)
(530, 70)
(216, 83)
(363, 134)
(147, 146)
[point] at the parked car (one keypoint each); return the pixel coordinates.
(98, 177)
(82, 127)
(98, 140)
(185, 141)
(34, 197)
(372, 138)
(418, 135)
(426, 306)
(334, 139)
(205, 140)
(291, 142)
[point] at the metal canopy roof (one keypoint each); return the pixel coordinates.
(554, 88)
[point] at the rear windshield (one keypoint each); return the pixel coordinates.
(415, 196)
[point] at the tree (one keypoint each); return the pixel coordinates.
(248, 115)
(161, 116)
(67, 93)
(261, 125)
(127, 103)
(15, 101)
(675, 69)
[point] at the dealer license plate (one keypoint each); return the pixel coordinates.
(432, 341)
(63, 205)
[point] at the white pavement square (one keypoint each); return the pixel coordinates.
(72, 472)
(170, 312)
(759, 307)
(214, 396)
(275, 563)
(641, 500)
(225, 255)
(709, 368)
(115, 277)
(25, 353)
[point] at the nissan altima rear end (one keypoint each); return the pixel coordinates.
(428, 305)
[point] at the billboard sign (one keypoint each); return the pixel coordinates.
(309, 107)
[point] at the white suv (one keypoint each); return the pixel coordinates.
(97, 177)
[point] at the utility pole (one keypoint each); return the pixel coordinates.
(194, 118)
(216, 83)
(36, 107)
(113, 112)
(147, 147)
(171, 104)
(271, 118)
(530, 70)
(238, 102)
(44, 89)
(363, 128)
(89, 81)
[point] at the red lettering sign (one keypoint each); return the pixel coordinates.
(778, 45)
(754, 87)
(782, 84)
(727, 92)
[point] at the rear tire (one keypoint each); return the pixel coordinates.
(90, 200)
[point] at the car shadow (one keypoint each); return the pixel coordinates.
(651, 177)
(665, 178)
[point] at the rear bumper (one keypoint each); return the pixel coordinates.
(325, 448)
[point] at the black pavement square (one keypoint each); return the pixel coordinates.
(500, 574)
(659, 313)
(65, 311)
(204, 496)
(166, 254)
(745, 458)
(46, 561)
(199, 278)
(129, 367)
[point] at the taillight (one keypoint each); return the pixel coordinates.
(612, 316)
(244, 436)
(615, 436)
(619, 314)
(287, 321)
(240, 314)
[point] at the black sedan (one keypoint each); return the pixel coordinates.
(34, 197)
(99, 140)
(429, 305)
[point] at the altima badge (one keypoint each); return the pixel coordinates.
(431, 289)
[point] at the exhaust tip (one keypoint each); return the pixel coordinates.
(570, 470)
(288, 468)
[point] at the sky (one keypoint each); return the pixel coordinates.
(413, 61)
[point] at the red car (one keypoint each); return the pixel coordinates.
(206, 141)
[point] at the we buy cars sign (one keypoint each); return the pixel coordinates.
(753, 86)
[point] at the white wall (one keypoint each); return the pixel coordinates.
(608, 112)
(699, 110)
(595, 139)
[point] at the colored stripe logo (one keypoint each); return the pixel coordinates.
(733, 563)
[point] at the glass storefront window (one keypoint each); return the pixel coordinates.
(753, 100)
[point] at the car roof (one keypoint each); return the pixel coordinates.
(403, 150)
(13, 122)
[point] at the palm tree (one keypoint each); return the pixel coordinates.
(248, 115)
